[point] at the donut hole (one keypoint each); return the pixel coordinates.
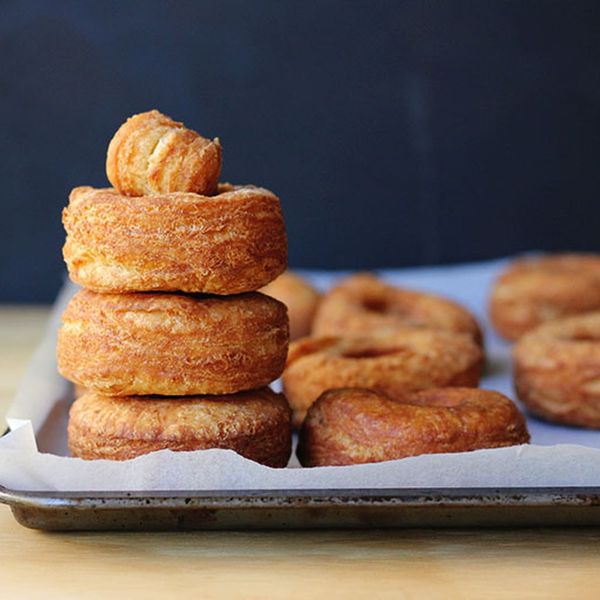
(376, 305)
(583, 336)
(360, 353)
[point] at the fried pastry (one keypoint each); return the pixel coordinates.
(392, 363)
(353, 426)
(557, 370)
(535, 290)
(364, 304)
(255, 424)
(300, 298)
(172, 344)
(152, 154)
(225, 244)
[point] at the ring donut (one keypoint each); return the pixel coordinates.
(362, 304)
(152, 154)
(225, 244)
(354, 426)
(172, 344)
(255, 424)
(393, 363)
(535, 290)
(557, 370)
(300, 298)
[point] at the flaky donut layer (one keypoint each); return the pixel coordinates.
(225, 244)
(353, 426)
(172, 344)
(362, 303)
(300, 298)
(255, 424)
(557, 370)
(393, 363)
(152, 154)
(535, 290)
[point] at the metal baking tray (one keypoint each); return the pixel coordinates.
(401, 508)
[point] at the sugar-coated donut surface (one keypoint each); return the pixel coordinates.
(352, 426)
(225, 244)
(534, 290)
(172, 344)
(393, 363)
(557, 370)
(300, 298)
(256, 424)
(362, 303)
(152, 154)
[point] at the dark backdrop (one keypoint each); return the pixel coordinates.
(395, 133)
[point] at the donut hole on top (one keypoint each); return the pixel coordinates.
(376, 305)
(583, 336)
(360, 353)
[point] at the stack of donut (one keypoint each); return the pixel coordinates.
(550, 306)
(169, 339)
(389, 373)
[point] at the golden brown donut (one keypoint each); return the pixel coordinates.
(557, 370)
(353, 426)
(255, 424)
(393, 363)
(152, 154)
(300, 298)
(172, 344)
(362, 303)
(535, 290)
(226, 244)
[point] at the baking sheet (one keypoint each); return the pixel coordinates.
(33, 455)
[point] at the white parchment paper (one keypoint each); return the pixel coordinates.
(34, 456)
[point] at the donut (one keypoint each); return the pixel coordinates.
(300, 298)
(353, 426)
(393, 363)
(172, 344)
(362, 303)
(255, 424)
(152, 154)
(534, 290)
(225, 244)
(557, 370)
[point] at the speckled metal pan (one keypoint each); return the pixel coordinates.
(515, 507)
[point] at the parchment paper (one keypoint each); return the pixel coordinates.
(33, 456)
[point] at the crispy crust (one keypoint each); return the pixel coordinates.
(535, 290)
(352, 426)
(226, 244)
(255, 424)
(557, 370)
(362, 304)
(393, 363)
(172, 344)
(152, 154)
(300, 298)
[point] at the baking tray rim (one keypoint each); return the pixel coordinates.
(573, 496)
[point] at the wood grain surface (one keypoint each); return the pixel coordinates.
(401, 564)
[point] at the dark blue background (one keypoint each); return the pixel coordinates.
(395, 133)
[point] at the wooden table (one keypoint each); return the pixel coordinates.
(535, 563)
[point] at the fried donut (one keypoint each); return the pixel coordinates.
(557, 370)
(227, 244)
(392, 363)
(152, 154)
(362, 303)
(535, 290)
(172, 344)
(300, 298)
(255, 424)
(353, 426)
